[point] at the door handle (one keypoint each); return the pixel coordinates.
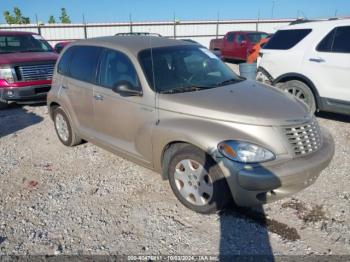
(98, 97)
(317, 60)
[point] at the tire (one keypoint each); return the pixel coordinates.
(203, 192)
(301, 91)
(3, 105)
(64, 129)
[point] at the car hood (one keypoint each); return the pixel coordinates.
(18, 58)
(246, 102)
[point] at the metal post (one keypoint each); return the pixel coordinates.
(174, 26)
(130, 20)
(37, 24)
(217, 27)
(85, 29)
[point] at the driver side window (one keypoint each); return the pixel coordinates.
(116, 67)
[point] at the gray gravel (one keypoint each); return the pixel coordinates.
(84, 200)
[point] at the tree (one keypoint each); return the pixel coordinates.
(16, 18)
(64, 17)
(52, 20)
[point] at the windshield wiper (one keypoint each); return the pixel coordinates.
(184, 89)
(229, 81)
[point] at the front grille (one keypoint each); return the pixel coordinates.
(36, 72)
(304, 139)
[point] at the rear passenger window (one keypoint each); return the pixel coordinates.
(84, 63)
(116, 67)
(337, 41)
(326, 44)
(230, 37)
(63, 65)
(342, 40)
(286, 39)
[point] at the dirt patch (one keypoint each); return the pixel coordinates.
(313, 214)
(283, 230)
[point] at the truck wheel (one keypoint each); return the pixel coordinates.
(3, 105)
(64, 129)
(197, 181)
(301, 91)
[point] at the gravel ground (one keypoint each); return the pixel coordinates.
(84, 200)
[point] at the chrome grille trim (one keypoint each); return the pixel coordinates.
(304, 139)
(36, 72)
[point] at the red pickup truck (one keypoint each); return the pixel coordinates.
(26, 67)
(237, 44)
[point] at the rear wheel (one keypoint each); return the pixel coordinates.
(301, 91)
(64, 129)
(197, 181)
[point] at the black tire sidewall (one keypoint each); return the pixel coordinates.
(221, 194)
(70, 135)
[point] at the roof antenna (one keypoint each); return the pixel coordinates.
(156, 99)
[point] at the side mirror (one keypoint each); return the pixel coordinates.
(58, 48)
(125, 88)
(244, 42)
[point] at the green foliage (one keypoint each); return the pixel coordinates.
(64, 17)
(52, 20)
(16, 18)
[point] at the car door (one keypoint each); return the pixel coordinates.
(77, 86)
(329, 64)
(122, 122)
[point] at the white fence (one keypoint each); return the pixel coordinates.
(200, 31)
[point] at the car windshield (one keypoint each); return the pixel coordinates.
(23, 43)
(256, 37)
(184, 69)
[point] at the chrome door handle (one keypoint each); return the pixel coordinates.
(317, 60)
(98, 97)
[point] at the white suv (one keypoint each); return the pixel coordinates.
(311, 60)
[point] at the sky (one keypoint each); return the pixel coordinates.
(164, 10)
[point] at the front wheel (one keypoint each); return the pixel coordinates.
(301, 91)
(197, 181)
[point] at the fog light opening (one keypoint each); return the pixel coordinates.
(10, 93)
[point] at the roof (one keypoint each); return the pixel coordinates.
(133, 44)
(315, 24)
(3, 32)
(247, 32)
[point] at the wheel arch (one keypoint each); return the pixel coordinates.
(52, 107)
(296, 76)
(167, 151)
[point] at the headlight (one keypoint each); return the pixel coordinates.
(6, 73)
(244, 152)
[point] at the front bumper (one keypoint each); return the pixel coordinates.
(259, 184)
(25, 94)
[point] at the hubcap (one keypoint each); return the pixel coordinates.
(62, 127)
(298, 93)
(193, 182)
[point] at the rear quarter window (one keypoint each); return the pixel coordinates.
(64, 63)
(286, 39)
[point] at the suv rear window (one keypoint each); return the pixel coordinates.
(286, 39)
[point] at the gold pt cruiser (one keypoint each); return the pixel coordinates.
(174, 107)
